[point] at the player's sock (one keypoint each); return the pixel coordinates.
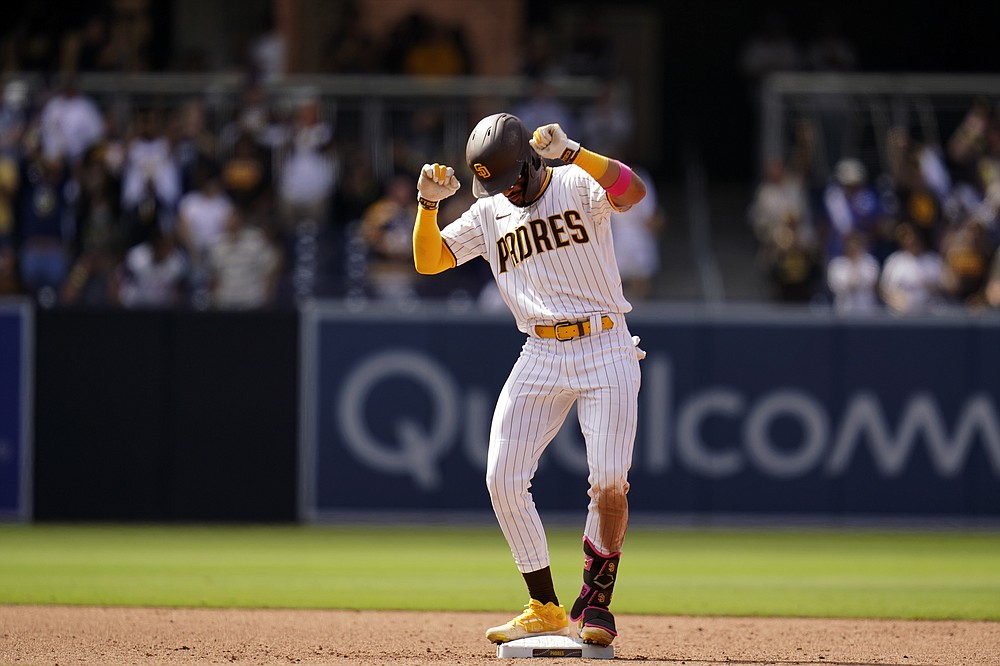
(599, 573)
(540, 586)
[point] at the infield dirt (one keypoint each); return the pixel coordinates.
(48, 635)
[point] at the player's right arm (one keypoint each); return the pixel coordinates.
(623, 186)
(430, 253)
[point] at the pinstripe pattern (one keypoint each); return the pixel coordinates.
(554, 261)
(551, 285)
(601, 374)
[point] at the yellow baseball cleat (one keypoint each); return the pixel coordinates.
(536, 620)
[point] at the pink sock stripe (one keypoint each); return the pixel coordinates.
(624, 178)
(599, 553)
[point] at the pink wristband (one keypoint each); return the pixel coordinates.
(620, 185)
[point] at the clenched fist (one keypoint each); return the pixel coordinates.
(437, 182)
(551, 142)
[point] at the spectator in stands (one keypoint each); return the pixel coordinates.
(153, 274)
(966, 250)
(850, 204)
(345, 254)
(853, 277)
(13, 122)
(357, 189)
(636, 234)
(913, 276)
(969, 146)
(247, 179)
(45, 225)
(974, 151)
(793, 263)
(70, 124)
(779, 196)
(387, 231)
(100, 235)
(192, 141)
(269, 124)
(921, 182)
(244, 266)
(783, 193)
(307, 181)
(98, 205)
(112, 150)
(309, 172)
(151, 181)
(202, 217)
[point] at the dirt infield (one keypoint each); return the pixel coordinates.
(48, 635)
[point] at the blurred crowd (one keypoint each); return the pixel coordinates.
(167, 203)
(146, 210)
(904, 222)
(917, 233)
(158, 207)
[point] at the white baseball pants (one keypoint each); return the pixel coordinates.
(600, 373)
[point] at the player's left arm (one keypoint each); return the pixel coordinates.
(430, 253)
(624, 187)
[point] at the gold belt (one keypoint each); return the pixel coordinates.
(567, 330)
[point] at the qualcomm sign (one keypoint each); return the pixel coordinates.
(673, 432)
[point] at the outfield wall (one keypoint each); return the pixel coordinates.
(740, 413)
(165, 416)
(192, 416)
(16, 364)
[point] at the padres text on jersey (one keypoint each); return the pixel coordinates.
(540, 235)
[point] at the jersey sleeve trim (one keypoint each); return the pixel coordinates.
(450, 251)
(617, 208)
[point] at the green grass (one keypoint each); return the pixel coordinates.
(823, 573)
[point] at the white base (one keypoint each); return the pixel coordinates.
(553, 646)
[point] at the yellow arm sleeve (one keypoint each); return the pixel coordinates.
(430, 253)
(594, 164)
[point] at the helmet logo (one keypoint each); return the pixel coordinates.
(481, 170)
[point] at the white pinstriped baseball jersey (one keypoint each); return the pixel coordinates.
(553, 260)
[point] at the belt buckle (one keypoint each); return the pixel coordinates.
(563, 325)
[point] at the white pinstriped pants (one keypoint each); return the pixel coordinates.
(601, 374)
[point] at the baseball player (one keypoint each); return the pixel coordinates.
(545, 233)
